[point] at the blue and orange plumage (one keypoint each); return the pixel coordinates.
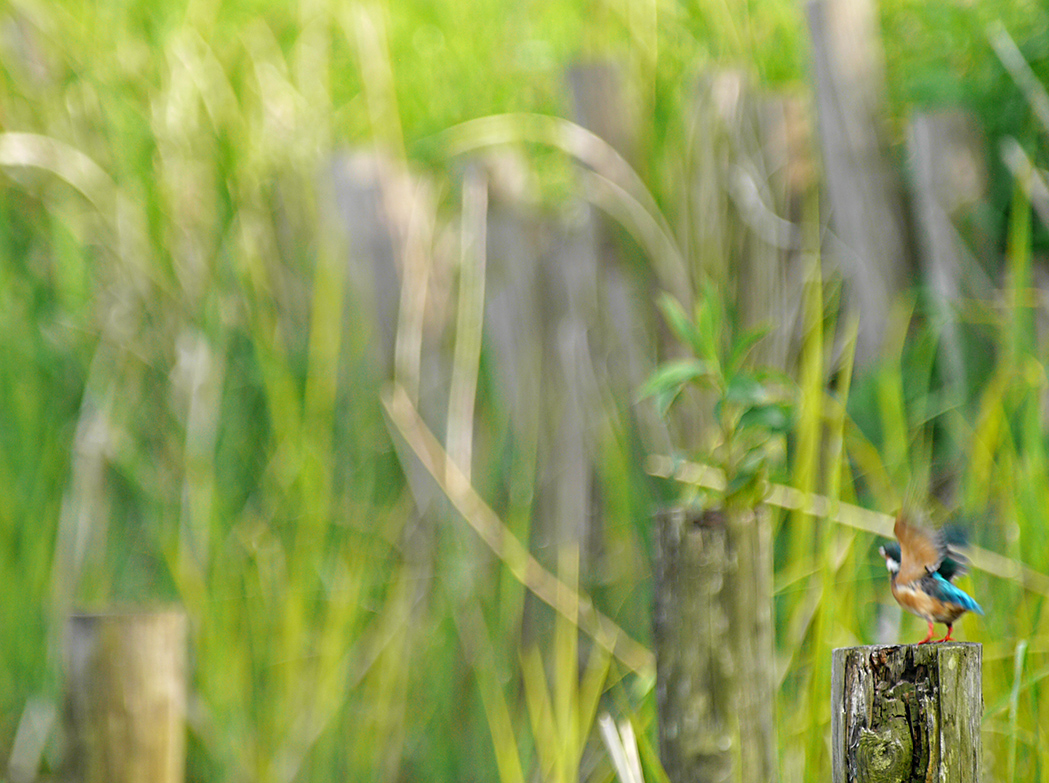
(922, 567)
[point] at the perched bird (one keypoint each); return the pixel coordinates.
(922, 566)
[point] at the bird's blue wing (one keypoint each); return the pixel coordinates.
(953, 566)
(943, 590)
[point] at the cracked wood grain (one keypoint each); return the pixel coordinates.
(906, 713)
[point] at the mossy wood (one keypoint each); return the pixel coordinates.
(693, 658)
(906, 713)
(713, 638)
(127, 697)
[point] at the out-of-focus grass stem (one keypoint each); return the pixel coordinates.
(469, 322)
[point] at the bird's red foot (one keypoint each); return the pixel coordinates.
(947, 638)
(929, 637)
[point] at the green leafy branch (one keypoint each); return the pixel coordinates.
(753, 408)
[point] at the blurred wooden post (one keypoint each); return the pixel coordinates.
(714, 651)
(949, 179)
(749, 587)
(127, 696)
(906, 713)
(864, 190)
(601, 105)
(694, 662)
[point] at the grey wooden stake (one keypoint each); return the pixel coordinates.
(127, 697)
(949, 181)
(864, 190)
(903, 713)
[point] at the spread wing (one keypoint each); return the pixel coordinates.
(954, 563)
(921, 551)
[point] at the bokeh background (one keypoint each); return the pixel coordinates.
(267, 269)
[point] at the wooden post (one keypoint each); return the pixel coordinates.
(864, 190)
(749, 588)
(694, 662)
(713, 636)
(127, 696)
(948, 179)
(902, 713)
(601, 105)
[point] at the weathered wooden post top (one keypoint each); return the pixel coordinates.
(906, 713)
(126, 675)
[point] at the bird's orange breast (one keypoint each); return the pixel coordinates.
(917, 601)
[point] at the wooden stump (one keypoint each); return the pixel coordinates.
(903, 713)
(127, 697)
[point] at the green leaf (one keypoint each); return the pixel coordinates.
(746, 480)
(709, 324)
(776, 418)
(744, 344)
(749, 474)
(675, 373)
(773, 377)
(746, 390)
(666, 383)
(683, 329)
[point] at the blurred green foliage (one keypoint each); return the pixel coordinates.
(753, 408)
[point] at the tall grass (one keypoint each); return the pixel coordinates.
(192, 411)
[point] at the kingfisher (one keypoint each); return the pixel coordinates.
(922, 568)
